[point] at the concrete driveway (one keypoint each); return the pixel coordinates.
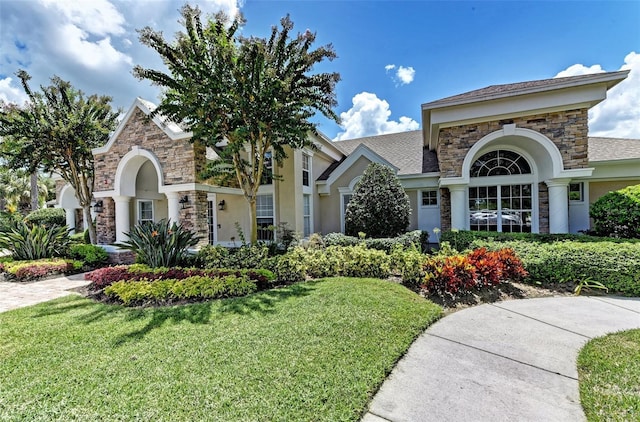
(18, 295)
(508, 361)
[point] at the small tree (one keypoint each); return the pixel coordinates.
(618, 213)
(251, 95)
(56, 130)
(379, 206)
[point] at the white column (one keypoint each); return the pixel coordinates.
(173, 199)
(558, 205)
(122, 217)
(71, 219)
(459, 207)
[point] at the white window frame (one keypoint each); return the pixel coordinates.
(430, 191)
(139, 210)
(273, 211)
(307, 218)
(581, 191)
(343, 206)
(306, 162)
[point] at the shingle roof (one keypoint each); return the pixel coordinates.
(520, 88)
(607, 149)
(404, 150)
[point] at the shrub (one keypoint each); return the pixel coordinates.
(288, 268)
(339, 239)
(47, 217)
(379, 205)
(26, 242)
(104, 277)
(160, 244)
(614, 264)
(451, 275)
(409, 264)
(91, 255)
(166, 290)
(246, 256)
(28, 270)
(617, 213)
(417, 237)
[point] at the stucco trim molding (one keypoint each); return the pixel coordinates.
(128, 167)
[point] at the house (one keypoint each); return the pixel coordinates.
(514, 157)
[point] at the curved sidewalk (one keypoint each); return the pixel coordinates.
(19, 295)
(513, 360)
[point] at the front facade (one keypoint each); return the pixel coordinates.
(513, 157)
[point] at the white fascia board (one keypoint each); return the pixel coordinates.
(619, 169)
(327, 147)
(419, 181)
(360, 151)
(169, 128)
(537, 103)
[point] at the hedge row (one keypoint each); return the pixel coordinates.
(30, 270)
(614, 264)
(463, 239)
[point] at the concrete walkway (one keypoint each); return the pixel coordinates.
(508, 361)
(18, 295)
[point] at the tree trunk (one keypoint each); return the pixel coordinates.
(34, 191)
(254, 219)
(86, 213)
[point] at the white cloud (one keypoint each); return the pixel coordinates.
(370, 116)
(619, 115)
(11, 94)
(403, 75)
(93, 55)
(99, 17)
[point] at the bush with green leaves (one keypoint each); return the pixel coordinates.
(614, 264)
(418, 238)
(47, 217)
(91, 255)
(379, 205)
(409, 265)
(160, 244)
(246, 256)
(29, 242)
(618, 213)
(30, 270)
(166, 291)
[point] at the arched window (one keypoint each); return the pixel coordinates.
(500, 163)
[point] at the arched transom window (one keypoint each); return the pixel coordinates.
(500, 163)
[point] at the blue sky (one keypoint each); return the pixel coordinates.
(392, 56)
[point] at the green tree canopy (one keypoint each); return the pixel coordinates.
(56, 130)
(241, 96)
(379, 206)
(617, 213)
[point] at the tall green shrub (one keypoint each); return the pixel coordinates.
(618, 213)
(379, 206)
(47, 217)
(160, 244)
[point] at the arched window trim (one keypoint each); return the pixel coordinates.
(500, 162)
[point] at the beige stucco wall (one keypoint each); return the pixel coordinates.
(330, 204)
(597, 189)
(236, 210)
(413, 217)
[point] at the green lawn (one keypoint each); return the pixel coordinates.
(310, 351)
(609, 369)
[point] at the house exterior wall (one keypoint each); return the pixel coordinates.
(566, 129)
(598, 189)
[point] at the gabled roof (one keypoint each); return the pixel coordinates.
(171, 129)
(403, 149)
(520, 88)
(613, 149)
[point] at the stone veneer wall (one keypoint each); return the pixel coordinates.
(445, 209)
(106, 222)
(566, 129)
(195, 217)
(543, 208)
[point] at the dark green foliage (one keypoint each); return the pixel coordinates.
(614, 264)
(91, 255)
(246, 256)
(418, 238)
(160, 244)
(256, 94)
(618, 213)
(27, 242)
(379, 206)
(47, 217)
(462, 239)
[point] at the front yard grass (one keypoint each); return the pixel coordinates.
(609, 370)
(310, 351)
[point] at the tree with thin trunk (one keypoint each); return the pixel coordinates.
(241, 96)
(56, 131)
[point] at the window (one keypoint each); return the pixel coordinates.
(267, 172)
(264, 216)
(145, 212)
(429, 198)
(346, 198)
(506, 208)
(306, 214)
(211, 209)
(500, 163)
(576, 192)
(306, 166)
